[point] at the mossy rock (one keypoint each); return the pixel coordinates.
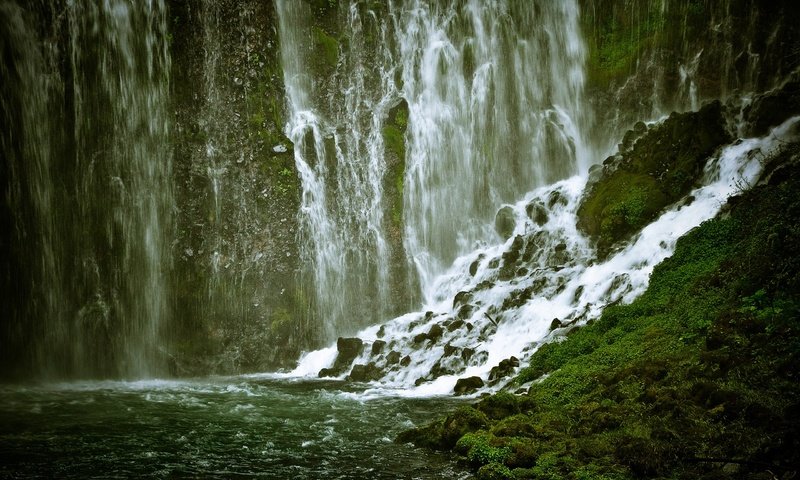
(444, 435)
(494, 471)
(394, 131)
(662, 167)
(503, 404)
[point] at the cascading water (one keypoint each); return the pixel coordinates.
(339, 158)
(91, 183)
(493, 95)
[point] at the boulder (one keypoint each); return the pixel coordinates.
(465, 312)
(537, 212)
(450, 350)
(513, 253)
(504, 222)
(556, 198)
(349, 349)
(327, 372)
(467, 385)
(473, 267)
(467, 353)
(462, 298)
(503, 369)
(455, 325)
(393, 358)
(435, 333)
(365, 373)
(377, 346)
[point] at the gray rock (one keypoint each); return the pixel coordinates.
(537, 212)
(365, 373)
(435, 333)
(504, 222)
(462, 298)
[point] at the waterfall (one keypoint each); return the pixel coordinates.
(497, 138)
(339, 155)
(474, 104)
(90, 172)
(495, 306)
(496, 108)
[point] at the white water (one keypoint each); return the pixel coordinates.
(569, 285)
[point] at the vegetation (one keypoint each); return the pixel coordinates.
(695, 379)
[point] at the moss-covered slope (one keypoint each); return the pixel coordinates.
(652, 173)
(698, 378)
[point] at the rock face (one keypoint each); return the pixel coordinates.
(236, 188)
(638, 53)
(774, 107)
(661, 167)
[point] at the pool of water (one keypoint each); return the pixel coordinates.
(236, 427)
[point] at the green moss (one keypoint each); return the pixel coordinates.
(327, 48)
(480, 450)
(394, 144)
(661, 168)
(619, 40)
(494, 471)
(393, 138)
(397, 209)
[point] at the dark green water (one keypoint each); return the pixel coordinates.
(213, 428)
